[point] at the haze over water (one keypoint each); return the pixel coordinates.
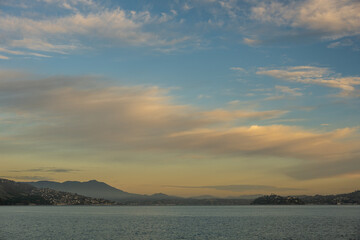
(180, 222)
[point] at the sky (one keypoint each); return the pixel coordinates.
(187, 98)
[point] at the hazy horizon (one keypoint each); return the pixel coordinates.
(269, 188)
(186, 98)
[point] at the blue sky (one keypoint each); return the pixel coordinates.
(264, 87)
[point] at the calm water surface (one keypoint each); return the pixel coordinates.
(180, 222)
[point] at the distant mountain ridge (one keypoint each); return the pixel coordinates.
(98, 189)
(43, 193)
(16, 193)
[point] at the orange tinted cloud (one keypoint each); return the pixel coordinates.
(66, 113)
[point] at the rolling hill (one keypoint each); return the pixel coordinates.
(98, 189)
(15, 193)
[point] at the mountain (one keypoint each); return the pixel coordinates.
(102, 190)
(44, 193)
(15, 193)
(91, 188)
(10, 189)
(97, 189)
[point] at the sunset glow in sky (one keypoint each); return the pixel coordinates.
(190, 97)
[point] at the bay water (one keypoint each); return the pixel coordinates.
(179, 222)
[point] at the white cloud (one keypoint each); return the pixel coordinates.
(239, 69)
(288, 90)
(223, 115)
(272, 98)
(234, 102)
(119, 113)
(273, 140)
(12, 52)
(202, 96)
(64, 33)
(251, 42)
(71, 4)
(342, 43)
(314, 75)
(231, 7)
(327, 18)
(187, 7)
(36, 44)
(80, 113)
(4, 57)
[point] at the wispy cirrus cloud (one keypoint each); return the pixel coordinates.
(315, 75)
(111, 24)
(285, 21)
(283, 92)
(290, 91)
(71, 4)
(344, 43)
(4, 57)
(321, 19)
(83, 28)
(13, 52)
(227, 115)
(82, 24)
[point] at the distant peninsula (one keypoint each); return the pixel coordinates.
(99, 193)
(338, 199)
